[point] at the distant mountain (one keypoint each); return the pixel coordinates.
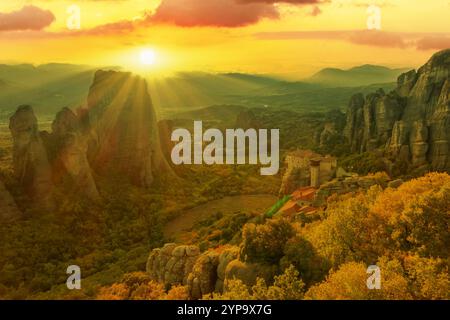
(47, 87)
(191, 90)
(214, 113)
(357, 76)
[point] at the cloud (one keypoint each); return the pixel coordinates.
(221, 13)
(27, 18)
(385, 39)
(315, 11)
(213, 13)
(296, 2)
(378, 39)
(433, 43)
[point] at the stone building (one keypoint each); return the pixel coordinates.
(307, 168)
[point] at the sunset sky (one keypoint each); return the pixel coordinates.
(292, 37)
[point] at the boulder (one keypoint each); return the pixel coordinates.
(224, 259)
(202, 279)
(172, 264)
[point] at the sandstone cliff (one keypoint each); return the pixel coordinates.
(30, 159)
(203, 273)
(411, 123)
(118, 132)
(67, 146)
(124, 127)
(8, 207)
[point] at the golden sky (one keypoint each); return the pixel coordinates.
(290, 37)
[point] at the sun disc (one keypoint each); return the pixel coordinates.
(148, 57)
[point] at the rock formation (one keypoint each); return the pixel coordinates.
(412, 123)
(202, 280)
(172, 264)
(68, 146)
(117, 133)
(125, 130)
(201, 273)
(165, 128)
(8, 207)
(30, 160)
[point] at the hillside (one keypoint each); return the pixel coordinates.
(356, 76)
(50, 87)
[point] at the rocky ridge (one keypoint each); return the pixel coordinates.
(411, 123)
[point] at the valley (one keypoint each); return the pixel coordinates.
(98, 164)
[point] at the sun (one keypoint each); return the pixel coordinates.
(148, 57)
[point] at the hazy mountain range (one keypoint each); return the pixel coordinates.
(357, 76)
(50, 87)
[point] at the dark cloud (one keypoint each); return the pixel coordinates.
(27, 18)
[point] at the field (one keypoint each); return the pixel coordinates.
(180, 228)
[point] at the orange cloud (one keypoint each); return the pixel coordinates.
(433, 43)
(27, 18)
(377, 38)
(386, 39)
(214, 13)
(284, 1)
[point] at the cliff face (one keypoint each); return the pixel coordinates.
(30, 160)
(68, 145)
(124, 127)
(117, 132)
(8, 207)
(412, 123)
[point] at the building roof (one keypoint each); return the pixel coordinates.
(304, 193)
(289, 207)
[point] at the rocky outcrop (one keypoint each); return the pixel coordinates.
(172, 264)
(116, 133)
(8, 207)
(202, 280)
(124, 127)
(68, 145)
(165, 128)
(30, 159)
(412, 123)
(224, 259)
(201, 273)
